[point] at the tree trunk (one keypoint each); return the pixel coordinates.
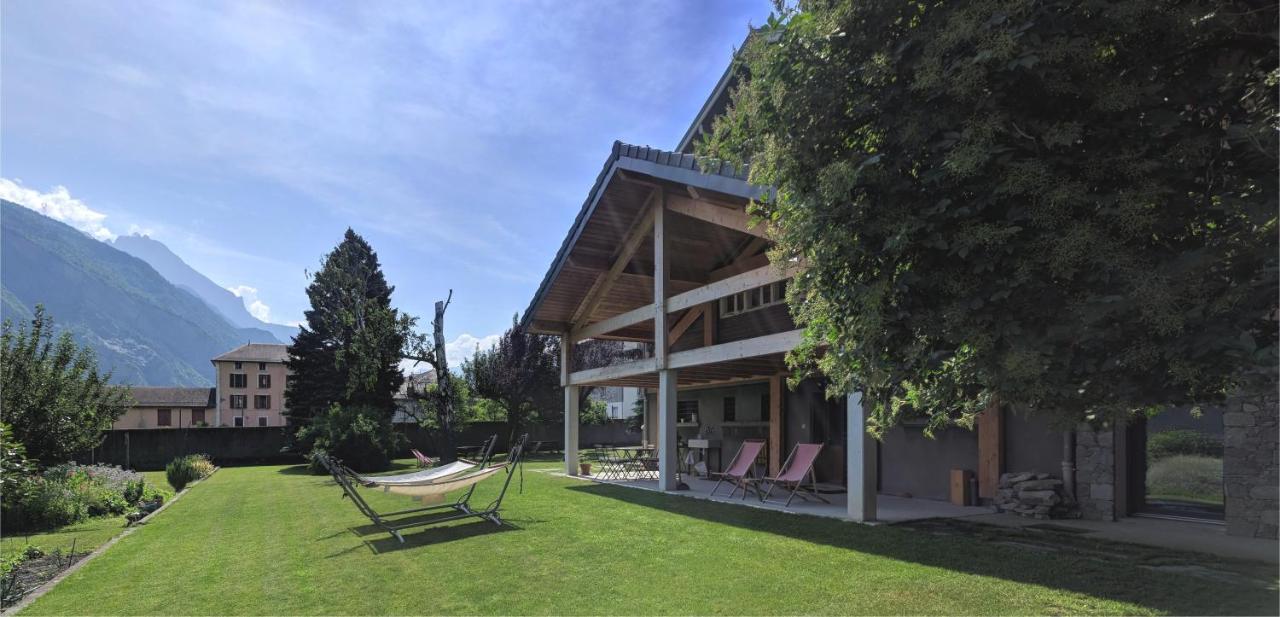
(444, 388)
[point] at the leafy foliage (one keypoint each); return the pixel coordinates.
(361, 437)
(521, 374)
(14, 466)
(54, 399)
(1070, 205)
(1182, 441)
(69, 493)
(345, 359)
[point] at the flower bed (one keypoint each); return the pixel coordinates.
(70, 493)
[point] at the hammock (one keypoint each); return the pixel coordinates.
(425, 476)
(440, 486)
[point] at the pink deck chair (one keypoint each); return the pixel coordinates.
(423, 460)
(741, 472)
(797, 468)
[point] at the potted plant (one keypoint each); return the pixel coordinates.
(585, 468)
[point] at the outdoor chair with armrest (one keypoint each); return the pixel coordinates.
(797, 468)
(741, 471)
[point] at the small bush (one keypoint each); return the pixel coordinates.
(1197, 478)
(69, 493)
(184, 470)
(1182, 442)
(314, 466)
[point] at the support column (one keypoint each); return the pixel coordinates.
(861, 470)
(667, 461)
(990, 449)
(570, 407)
(776, 392)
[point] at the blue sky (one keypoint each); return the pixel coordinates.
(459, 139)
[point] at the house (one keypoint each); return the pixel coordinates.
(408, 410)
(168, 408)
(662, 252)
(250, 390)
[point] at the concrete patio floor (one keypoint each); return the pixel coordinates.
(889, 509)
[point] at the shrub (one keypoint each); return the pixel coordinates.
(1182, 442)
(45, 503)
(360, 436)
(69, 493)
(184, 470)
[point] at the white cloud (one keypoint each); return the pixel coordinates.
(255, 306)
(58, 205)
(463, 347)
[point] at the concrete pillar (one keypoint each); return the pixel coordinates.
(571, 430)
(667, 461)
(861, 472)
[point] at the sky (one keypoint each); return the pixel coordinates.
(459, 139)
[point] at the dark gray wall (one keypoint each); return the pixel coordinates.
(915, 464)
(1030, 444)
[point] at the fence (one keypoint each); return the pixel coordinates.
(147, 449)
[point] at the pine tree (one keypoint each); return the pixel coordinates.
(345, 360)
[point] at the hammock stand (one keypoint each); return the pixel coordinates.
(394, 522)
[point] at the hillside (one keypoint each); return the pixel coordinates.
(176, 271)
(144, 328)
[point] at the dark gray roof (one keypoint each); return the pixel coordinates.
(256, 352)
(716, 102)
(148, 396)
(695, 171)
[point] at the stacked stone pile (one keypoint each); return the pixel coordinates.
(1035, 495)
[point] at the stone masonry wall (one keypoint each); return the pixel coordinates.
(1250, 466)
(1096, 473)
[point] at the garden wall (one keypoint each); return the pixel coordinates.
(149, 449)
(1250, 458)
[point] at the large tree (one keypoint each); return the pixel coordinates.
(1069, 205)
(345, 359)
(52, 396)
(521, 374)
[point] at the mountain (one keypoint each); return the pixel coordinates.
(143, 328)
(176, 271)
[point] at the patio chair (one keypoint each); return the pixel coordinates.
(424, 460)
(742, 469)
(798, 467)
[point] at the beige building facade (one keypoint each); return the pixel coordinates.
(250, 390)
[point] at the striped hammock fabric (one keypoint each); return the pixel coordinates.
(442, 486)
(419, 477)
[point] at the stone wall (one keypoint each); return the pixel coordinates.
(1250, 461)
(1096, 473)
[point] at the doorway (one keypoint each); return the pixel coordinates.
(1175, 463)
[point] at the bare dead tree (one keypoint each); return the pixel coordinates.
(441, 400)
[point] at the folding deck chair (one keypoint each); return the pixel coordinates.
(431, 483)
(424, 460)
(798, 466)
(742, 469)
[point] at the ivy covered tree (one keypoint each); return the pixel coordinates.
(52, 397)
(1067, 205)
(345, 359)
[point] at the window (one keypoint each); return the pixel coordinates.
(262, 366)
(262, 421)
(264, 380)
(239, 421)
(262, 401)
(239, 401)
(239, 380)
(686, 412)
(239, 365)
(730, 409)
(164, 417)
(197, 416)
(752, 299)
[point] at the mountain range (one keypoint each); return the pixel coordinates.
(151, 318)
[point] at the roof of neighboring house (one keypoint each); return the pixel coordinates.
(417, 381)
(256, 352)
(716, 102)
(688, 169)
(149, 396)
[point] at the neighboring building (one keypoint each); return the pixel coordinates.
(663, 253)
(168, 408)
(407, 411)
(250, 390)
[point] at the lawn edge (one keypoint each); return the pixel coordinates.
(51, 583)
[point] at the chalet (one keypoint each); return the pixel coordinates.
(662, 252)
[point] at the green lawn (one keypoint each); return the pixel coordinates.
(270, 540)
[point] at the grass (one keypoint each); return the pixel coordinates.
(85, 535)
(1186, 477)
(271, 540)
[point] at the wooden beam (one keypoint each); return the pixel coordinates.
(614, 371)
(732, 285)
(661, 282)
(736, 219)
(630, 243)
(740, 265)
(710, 323)
(617, 322)
(682, 326)
(747, 348)
(678, 273)
(566, 359)
(990, 449)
